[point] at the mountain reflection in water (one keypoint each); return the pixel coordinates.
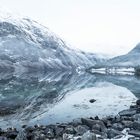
(61, 96)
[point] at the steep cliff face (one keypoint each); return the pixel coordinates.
(26, 45)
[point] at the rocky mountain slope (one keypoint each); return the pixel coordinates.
(25, 45)
(131, 59)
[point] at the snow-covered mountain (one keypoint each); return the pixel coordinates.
(128, 64)
(25, 45)
(131, 59)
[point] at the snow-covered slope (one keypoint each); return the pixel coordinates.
(131, 59)
(25, 45)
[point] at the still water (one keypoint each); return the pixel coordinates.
(53, 97)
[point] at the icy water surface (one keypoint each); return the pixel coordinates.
(36, 98)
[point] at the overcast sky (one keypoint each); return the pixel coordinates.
(105, 26)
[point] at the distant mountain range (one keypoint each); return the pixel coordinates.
(131, 59)
(123, 64)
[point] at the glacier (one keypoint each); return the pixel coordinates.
(27, 46)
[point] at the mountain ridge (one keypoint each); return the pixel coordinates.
(27, 45)
(130, 59)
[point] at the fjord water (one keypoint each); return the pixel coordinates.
(46, 98)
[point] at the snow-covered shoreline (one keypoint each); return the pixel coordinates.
(114, 70)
